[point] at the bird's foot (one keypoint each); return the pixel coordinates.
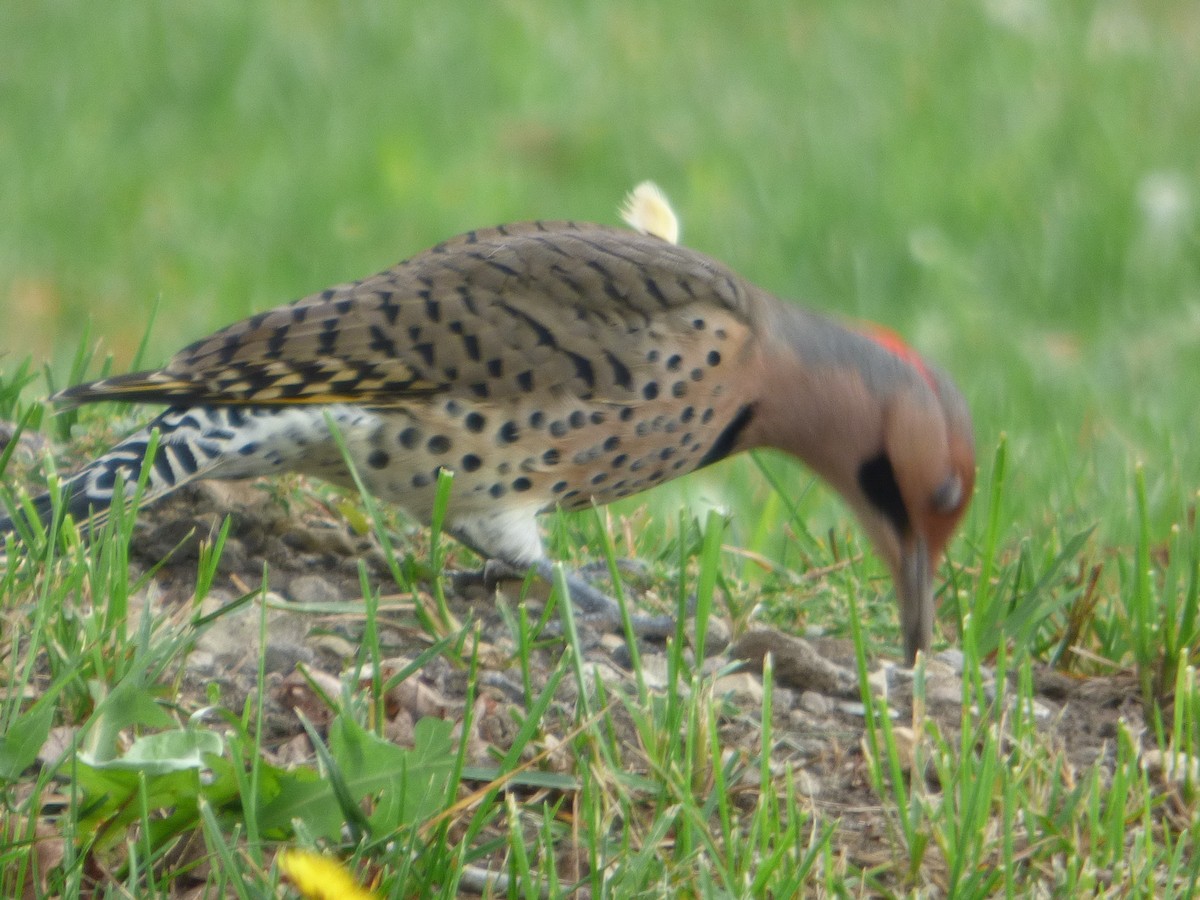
(597, 610)
(600, 611)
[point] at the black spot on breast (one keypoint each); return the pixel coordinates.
(378, 459)
(678, 389)
(577, 419)
(650, 391)
(521, 484)
(495, 367)
(409, 437)
(471, 463)
(674, 362)
(878, 481)
(525, 381)
(551, 457)
(612, 443)
(475, 422)
(537, 419)
(726, 440)
(421, 480)
(497, 490)
(508, 433)
(713, 358)
(558, 428)
(626, 413)
(439, 443)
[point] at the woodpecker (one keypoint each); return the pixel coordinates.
(555, 365)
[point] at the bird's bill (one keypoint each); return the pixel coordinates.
(914, 591)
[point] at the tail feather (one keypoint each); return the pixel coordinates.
(186, 451)
(203, 442)
(135, 387)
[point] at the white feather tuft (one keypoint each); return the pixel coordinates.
(648, 210)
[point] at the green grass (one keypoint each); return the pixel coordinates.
(1011, 185)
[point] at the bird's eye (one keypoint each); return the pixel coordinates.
(949, 495)
(878, 482)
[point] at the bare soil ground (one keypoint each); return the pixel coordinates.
(311, 557)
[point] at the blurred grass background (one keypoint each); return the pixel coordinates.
(1012, 184)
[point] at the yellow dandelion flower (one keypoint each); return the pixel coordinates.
(319, 877)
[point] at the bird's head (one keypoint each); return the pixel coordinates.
(892, 434)
(912, 493)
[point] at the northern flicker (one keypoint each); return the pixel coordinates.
(555, 365)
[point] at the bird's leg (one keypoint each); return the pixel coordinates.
(597, 609)
(494, 571)
(601, 611)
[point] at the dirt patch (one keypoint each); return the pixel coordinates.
(313, 561)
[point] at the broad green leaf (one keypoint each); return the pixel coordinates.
(303, 795)
(19, 746)
(409, 785)
(167, 751)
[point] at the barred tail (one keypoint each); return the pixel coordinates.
(188, 448)
(195, 443)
